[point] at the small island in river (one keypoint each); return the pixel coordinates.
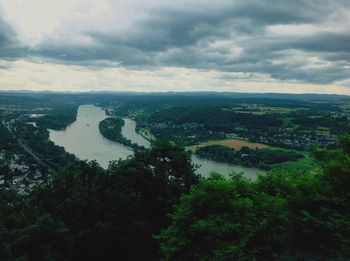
(111, 128)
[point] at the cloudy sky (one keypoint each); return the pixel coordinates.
(299, 46)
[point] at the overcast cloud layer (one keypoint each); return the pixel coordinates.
(153, 45)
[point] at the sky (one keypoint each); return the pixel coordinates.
(285, 46)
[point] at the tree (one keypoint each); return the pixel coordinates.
(282, 215)
(87, 213)
(224, 220)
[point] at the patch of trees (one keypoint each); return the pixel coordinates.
(190, 119)
(184, 135)
(336, 125)
(7, 142)
(111, 128)
(59, 117)
(88, 213)
(20, 101)
(189, 125)
(152, 207)
(260, 158)
(37, 139)
(153, 102)
(285, 215)
(214, 118)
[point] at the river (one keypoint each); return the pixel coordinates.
(83, 139)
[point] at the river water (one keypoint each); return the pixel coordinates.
(83, 139)
(128, 131)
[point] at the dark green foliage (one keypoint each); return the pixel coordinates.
(7, 142)
(88, 213)
(59, 117)
(8, 217)
(111, 128)
(292, 123)
(226, 220)
(261, 158)
(337, 125)
(214, 118)
(37, 139)
(192, 124)
(152, 206)
(285, 215)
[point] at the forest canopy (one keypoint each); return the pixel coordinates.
(152, 206)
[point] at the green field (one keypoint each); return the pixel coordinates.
(146, 134)
(305, 163)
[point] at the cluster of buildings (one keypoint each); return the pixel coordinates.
(17, 175)
(295, 140)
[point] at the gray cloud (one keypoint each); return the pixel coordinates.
(10, 47)
(328, 42)
(6, 36)
(5, 33)
(228, 36)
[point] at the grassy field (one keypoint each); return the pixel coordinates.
(231, 143)
(305, 163)
(135, 113)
